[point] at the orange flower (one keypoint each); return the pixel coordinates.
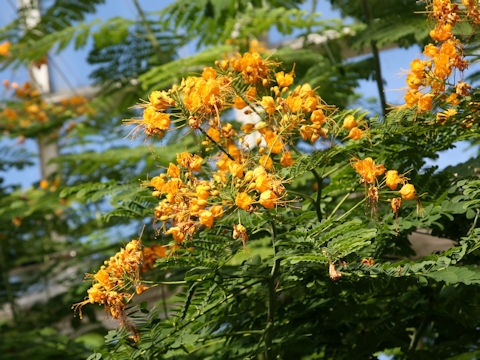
(284, 80)
(206, 218)
(236, 169)
(214, 134)
(355, 133)
(407, 192)
(425, 102)
(430, 50)
(349, 122)
(5, 48)
(157, 182)
(392, 179)
(368, 170)
(286, 159)
(268, 104)
(161, 100)
(209, 73)
(217, 211)
(267, 199)
(44, 184)
(203, 192)
(274, 142)
(178, 236)
(294, 103)
(239, 103)
(318, 117)
(155, 120)
(411, 98)
(266, 161)
(173, 171)
(243, 200)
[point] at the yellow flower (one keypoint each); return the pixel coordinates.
(156, 120)
(203, 192)
(157, 182)
(209, 73)
(355, 133)
(349, 122)
(5, 48)
(236, 169)
(161, 100)
(44, 184)
(407, 192)
(173, 171)
(268, 104)
(274, 142)
(178, 236)
(284, 80)
(318, 117)
(206, 218)
(267, 199)
(217, 211)
(425, 102)
(286, 159)
(239, 103)
(243, 200)
(392, 179)
(368, 170)
(266, 161)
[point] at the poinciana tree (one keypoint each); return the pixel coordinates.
(269, 268)
(293, 245)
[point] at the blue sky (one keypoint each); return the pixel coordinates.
(70, 69)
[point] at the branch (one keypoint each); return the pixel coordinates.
(376, 58)
(218, 145)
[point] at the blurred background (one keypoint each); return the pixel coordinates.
(68, 164)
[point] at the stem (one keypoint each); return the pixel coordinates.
(218, 145)
(353, 208)
(338, 205)
(151, 35)
(376, 58)
(319, 195)
(247, 102)
(418, 334)
(271, 304)
(474, 223)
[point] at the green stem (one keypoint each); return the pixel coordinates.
(338, 205)
(353, 208)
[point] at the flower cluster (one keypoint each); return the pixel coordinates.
(369, 172)
(113, 283)
(198, 190)
(429, 78)
(32, 109)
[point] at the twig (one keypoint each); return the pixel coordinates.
(218, 145)
(376, 58)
